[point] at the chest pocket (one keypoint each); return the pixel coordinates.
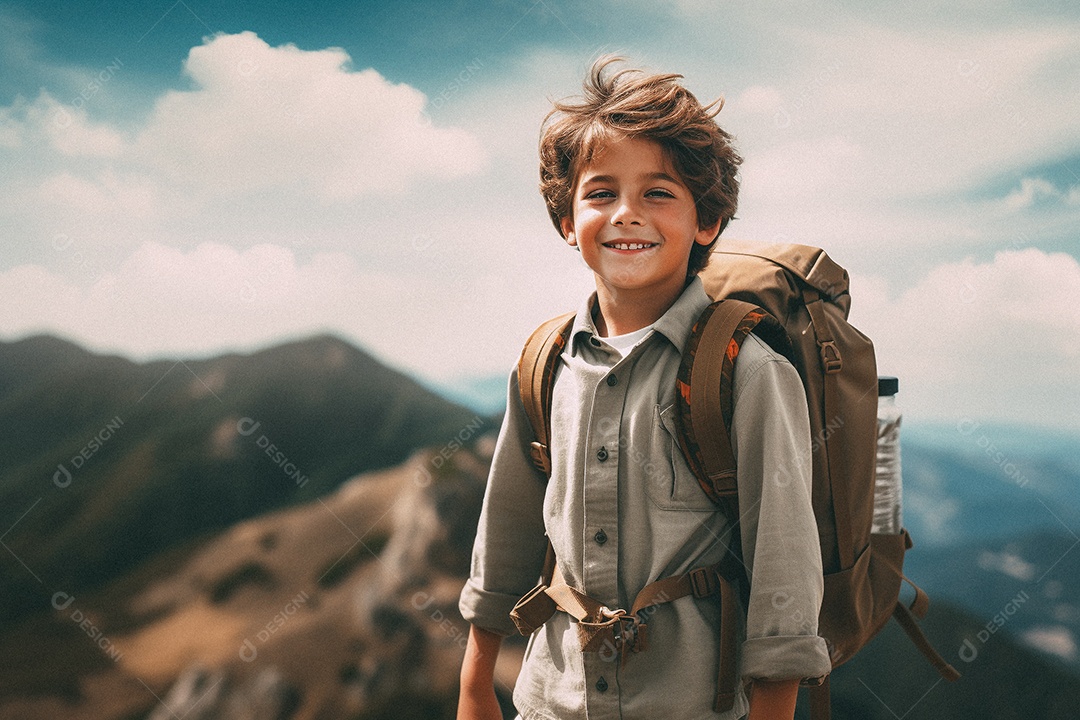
(671, 485)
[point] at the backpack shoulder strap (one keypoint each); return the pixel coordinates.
(705, 389)
(536, 380)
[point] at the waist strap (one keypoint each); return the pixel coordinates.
(601, 629)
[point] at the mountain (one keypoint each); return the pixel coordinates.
(952, 497)
(996, 522)
(341, 607)
(1000, 678)
(1030, 581)
(105, 463)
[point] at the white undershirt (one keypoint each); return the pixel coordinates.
(624, 343)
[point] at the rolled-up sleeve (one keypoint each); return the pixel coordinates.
(771, 439)
(508, 554)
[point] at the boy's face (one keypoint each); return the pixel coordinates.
(634, 220)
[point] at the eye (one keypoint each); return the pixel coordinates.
(599, 194)
(660, 192)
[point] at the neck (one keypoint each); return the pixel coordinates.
(623, 311)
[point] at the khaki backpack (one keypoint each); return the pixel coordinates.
(796, 299)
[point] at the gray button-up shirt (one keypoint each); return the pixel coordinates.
(622, 509)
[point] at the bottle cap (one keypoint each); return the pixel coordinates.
(887, 385)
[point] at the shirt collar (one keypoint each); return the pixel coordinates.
(676, 324)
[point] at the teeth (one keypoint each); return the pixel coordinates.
(631, 246)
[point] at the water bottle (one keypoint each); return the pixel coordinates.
(888, 502)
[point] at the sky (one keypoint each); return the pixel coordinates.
(184, 178)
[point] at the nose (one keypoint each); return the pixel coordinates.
(626, 213)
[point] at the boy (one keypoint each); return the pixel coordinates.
(640, 179)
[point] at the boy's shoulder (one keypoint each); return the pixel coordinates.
(755, 355)
(755, 351)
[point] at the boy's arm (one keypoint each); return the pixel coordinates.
(773, 700)
(507, 558)
(772, 443)
(510, 542)
(477, 700)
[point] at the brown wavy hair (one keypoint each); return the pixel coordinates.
(632, 103)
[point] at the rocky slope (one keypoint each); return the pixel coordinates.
(343, 607)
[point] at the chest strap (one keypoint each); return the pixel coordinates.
(618, 632)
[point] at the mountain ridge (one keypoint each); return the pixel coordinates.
(104, 461)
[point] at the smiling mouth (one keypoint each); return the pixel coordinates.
(629, 245)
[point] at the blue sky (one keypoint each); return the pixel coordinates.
(184, 178)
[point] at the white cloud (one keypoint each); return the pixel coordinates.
(165, 301)
(172, 250)
(105, 196)
(65, 129)
(1056, 640)
(999, 339)
(264, 117)
(162, 300)
(864, 136)
(268, 138)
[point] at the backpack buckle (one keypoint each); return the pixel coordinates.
(613, 632)
(703, 582)
(541, 457)
(629, 634)
(831, 362)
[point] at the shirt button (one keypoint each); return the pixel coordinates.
(601, 685)
(595, 342)
(612, 381)
(602, 454)
(600, 537)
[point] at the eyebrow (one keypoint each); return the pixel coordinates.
(611, 179)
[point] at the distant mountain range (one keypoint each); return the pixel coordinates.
(284, 534)
(995, 514)
(104, 462)
(981, 482)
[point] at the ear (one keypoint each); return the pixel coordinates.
(705, 236)
(567, 225)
